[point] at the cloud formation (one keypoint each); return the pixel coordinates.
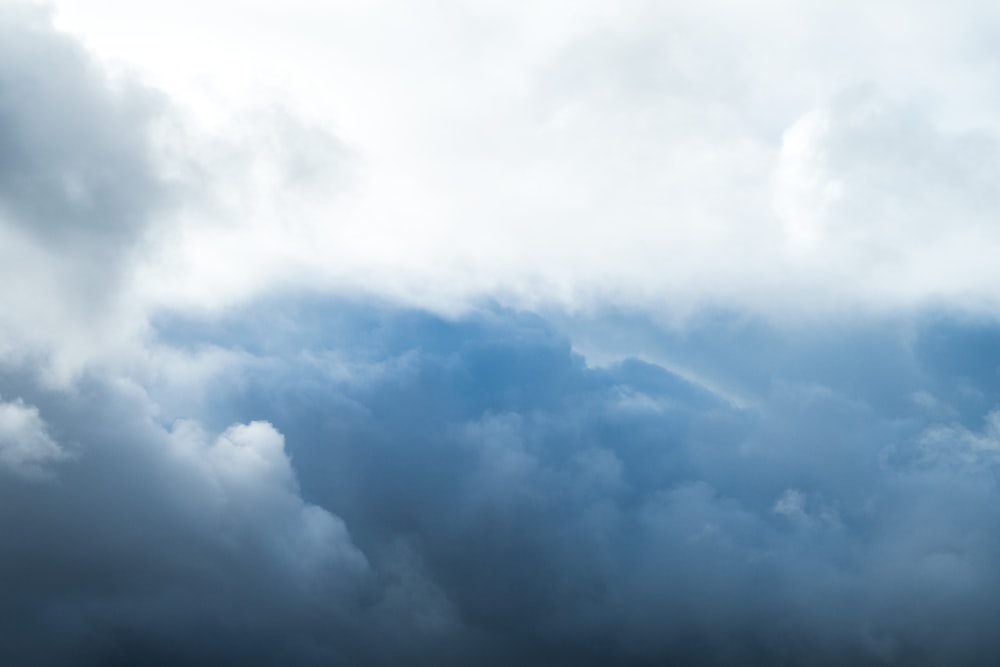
(663, 157)
(162, 545)
(634, 337)
(25, 444)
(80, 178)
(80, 185)
(560, 513)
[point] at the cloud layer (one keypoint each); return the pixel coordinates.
(660, 156)
(472, 491)
(579, 336)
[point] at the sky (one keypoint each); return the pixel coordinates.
(467, 332)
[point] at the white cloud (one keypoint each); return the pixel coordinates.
(792, 504)
(246, 482)
(658, 156)
(961, 448)
(26, 447)
(804, 192)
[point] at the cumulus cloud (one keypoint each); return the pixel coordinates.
(876, 188)
(472, 490)
(25, 444)
(79, 186)
(103, 176)
(659, 156)
(956, 445)
(71, 179)
(160, 545)
(549, 512)
(251, 453)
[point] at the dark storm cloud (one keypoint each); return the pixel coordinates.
(165, 546)
(505, 503)
(518, 506)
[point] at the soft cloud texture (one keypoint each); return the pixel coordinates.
(664, 156)
(79, 187)
(25, 444)
(159, 545)
(557, 513)
(361, 334)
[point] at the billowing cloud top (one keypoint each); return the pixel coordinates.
(781, 158)
(376, 334)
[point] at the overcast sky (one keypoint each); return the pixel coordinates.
(467, 332)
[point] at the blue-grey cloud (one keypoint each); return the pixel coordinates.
(535, 509)
(369, 485)
(316, 481)
(81, 186)
(75, 161)
(165, 545)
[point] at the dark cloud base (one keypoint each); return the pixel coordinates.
(514, 505)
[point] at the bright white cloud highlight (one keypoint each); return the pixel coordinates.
(248, 486)
(26, 447)
(575, 154)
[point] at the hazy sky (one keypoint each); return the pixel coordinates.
(454, 332)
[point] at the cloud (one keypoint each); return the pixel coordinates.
(545, 511)
(162, 544)
(664, 158)
(633, 337)
(104, 180)
(374, 485)
(79, 187)
(78, 179)
(875, 190)
(25, 444)
(955, 445)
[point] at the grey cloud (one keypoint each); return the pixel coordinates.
(876, 185)
(471, 491)
(26, 447)
(76, 169)
(102, 179)
(519, 506)
(80, 187)
(360, 485)
(164, 545)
